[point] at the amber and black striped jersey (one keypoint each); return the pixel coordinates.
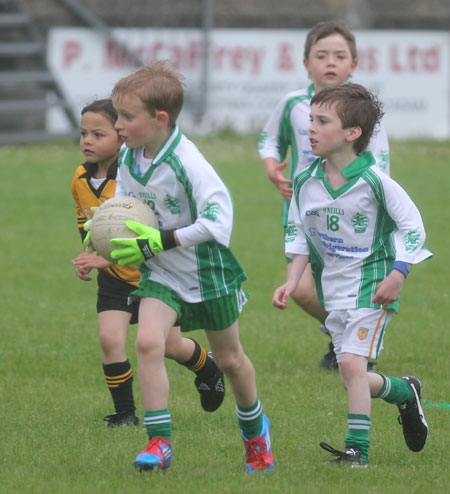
(86, 197)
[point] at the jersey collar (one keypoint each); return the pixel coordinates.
(168, 146)
(91, 169)
(357, 166)
(352, 170)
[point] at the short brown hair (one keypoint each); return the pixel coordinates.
(159, 87)
(356, 107)
(325, 29)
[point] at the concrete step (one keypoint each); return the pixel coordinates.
(14, 20)
(20, 49)
(19, 137)
(26, 77)
(28, 105)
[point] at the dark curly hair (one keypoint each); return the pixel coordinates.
(356, 107)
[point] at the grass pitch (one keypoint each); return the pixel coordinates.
(52, 391)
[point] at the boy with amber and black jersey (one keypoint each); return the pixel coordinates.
(86, 196)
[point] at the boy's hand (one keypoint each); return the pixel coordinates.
(282, 293)
(389, 289)
(91, 261)
(135, 251)
(275, 174)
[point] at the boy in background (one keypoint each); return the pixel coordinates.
(330, 57)
(361, 233)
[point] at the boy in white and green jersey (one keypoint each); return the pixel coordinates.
(189, 276)
(186, 195)
(361, 233)
(330, 56)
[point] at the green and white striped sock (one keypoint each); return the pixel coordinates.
(158, 423)
(358, 433)
(394, 390)
(250, 419)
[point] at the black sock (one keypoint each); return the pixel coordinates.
(119, 378)
(199, 363)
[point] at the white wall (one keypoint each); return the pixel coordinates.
(250, 70)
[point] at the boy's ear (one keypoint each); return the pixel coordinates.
(353, 133)
(354, 65)
(306, 64)
(162, 119)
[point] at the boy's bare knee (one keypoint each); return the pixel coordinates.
(228, 363)
(146, 345)
(110, 344)
(352, 369)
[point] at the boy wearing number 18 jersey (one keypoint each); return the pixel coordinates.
(361, 233)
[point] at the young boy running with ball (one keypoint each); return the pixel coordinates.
(361, 233)
(330, 57)
(189, 275)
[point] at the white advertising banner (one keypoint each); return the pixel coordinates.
(250, 70)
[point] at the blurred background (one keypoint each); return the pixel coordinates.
(238, 59)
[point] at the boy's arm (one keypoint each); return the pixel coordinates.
(409, 238)
(296, 247)
(409, 241)
(282, 293)
(272, 148)
(214, 219)
(389, 289)
(81, 217)
(270, 144)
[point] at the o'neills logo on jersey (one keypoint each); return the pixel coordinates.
(411, 240)
(333, 211)
(362, 333)
(211, 211)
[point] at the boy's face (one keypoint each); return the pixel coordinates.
(136, 126)
(99, 141)
(329, 62)
(326, 135)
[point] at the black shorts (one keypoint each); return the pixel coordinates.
(113, 295)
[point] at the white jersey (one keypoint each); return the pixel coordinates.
(354, 234)
(186, 195)
(288, 127)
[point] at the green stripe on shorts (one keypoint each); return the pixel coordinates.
(215, 314)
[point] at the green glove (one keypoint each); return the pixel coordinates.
(87, 242)
(149, 242)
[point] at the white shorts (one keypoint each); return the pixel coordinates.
(358, 331)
